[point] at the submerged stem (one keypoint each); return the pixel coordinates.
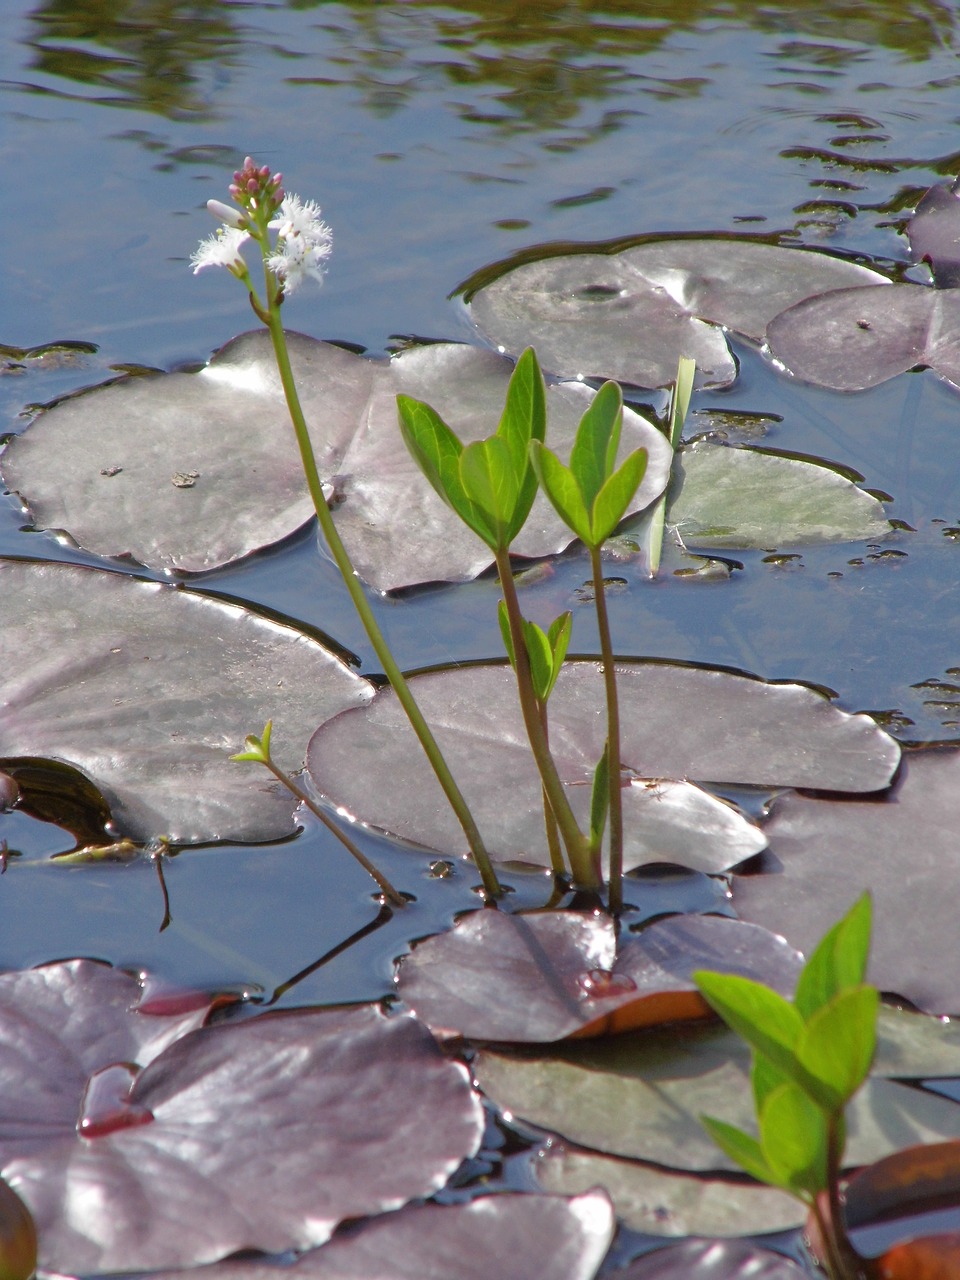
(583, 866)
(338, 551)
(613, 734)
(389, 892)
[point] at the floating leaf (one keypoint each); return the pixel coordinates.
(187, 472)
(642, 1094)
(542, 977)
(713, 1260)
(18, 1237)
(629, 315)
(211, 1150)
(670, 1204)
(904, 848)
(728, 497)
(904, 1184)
(677, 721)
(147, 689)
(934, 232)
(505, 1235)
(852, 339)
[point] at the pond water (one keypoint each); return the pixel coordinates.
(441, 139)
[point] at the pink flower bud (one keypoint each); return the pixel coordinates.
(224, 213)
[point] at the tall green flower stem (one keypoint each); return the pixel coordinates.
(584, 865)
(343, 562)
(258, 751)
(613, 734)
(303, 243)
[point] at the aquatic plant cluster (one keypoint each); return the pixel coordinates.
(160, 1098)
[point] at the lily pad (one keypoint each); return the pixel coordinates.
(641, 1095)
(187, 472)
(509, 1235)
(905, 849)
(670, 1204)
(543, 977)
(677, 721)
(735, 498)
(852, 339)
(147, 689)
(630, 315)
(93, 1128)
(934, 232)
(712, 1260)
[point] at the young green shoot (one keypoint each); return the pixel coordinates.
(302, 246)
(491, 485)
(591, 496)
(679, 404)
(258, 752)
(810, 1056)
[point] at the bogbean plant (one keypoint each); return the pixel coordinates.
(810, 1055)
(491, 484)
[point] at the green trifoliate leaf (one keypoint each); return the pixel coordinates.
(600, 798)
(765, 1020)
(489, 483)
(257, 749)
(524, 419)
(561, 487)
(559, 637)
(839, 1042)
(794, 1140)
(541, 659)
(838, 961)
(613, 499)
(436, 451)
(742, 1148)
(764, 1078)
(594, 450)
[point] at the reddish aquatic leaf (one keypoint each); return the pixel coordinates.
(928, 1258)
(934, 232)
(712, 1260)
(905, 847)
(136, 1149)
(557, 975)
(504, 1237)
(18, 1237)
(908, 1182)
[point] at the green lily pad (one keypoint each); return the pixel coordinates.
(669, 1204)
(737, 498)
(641, 1095)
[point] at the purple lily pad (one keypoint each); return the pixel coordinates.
(189, 1156)
(905, 848)
(677, 722)
(629, 315)
(510, 1236)
(934, 232)
(148, 689)
(712, 1260)
(544, 977)
(187, 472)
(852, 339)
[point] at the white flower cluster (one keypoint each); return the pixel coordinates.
(304, 242)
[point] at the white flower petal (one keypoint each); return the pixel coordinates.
(222, 249)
